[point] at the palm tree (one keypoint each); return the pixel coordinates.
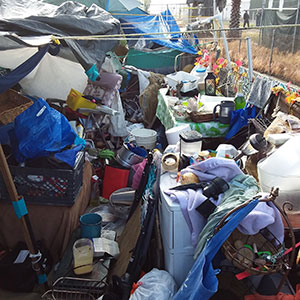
(235, 18)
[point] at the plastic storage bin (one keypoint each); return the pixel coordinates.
(56, 187)
(75, 100)
(189, 81)
(176, 236)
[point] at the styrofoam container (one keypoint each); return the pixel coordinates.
(145, 137)
(189, 81)
(172, 134)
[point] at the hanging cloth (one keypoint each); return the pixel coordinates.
(24, 69)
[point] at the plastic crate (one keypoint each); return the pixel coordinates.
(57, 187)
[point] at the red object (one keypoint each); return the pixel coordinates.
(114, 179)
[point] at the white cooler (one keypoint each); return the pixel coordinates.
(176, 236)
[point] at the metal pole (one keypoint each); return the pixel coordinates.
(261, 20)
(249, 53)
(272, 48)
(214, 13)
(295, 28)
(240, 44)
(225, 42)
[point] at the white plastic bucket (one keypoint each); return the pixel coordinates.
(145, 137)
(172, 134)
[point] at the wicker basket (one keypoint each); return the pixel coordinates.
(265, 242)
(12, 104)
(199, 117)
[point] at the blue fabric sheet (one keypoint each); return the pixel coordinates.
(23, 70)
(239, 119)
(201, 282)
(164, 23)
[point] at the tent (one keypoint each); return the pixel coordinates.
(109, 5)
(34, 22)
(283, 37)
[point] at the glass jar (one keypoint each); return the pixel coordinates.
(83, 252)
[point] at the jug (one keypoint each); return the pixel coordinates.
(83, 252)
(225, 111)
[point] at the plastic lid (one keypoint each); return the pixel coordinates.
(201, 70)
(191, 136)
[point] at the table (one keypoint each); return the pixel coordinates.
(165, 114)
(52, 224)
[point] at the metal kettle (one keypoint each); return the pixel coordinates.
(226, 107)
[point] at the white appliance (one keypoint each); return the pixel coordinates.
(176, 236)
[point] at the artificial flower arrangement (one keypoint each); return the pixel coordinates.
(291, 95)
(207, 59)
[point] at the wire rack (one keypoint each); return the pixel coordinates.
(75, 288)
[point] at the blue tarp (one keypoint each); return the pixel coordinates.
(164, 23)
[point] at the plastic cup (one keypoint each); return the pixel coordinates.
(90, 225)
(83, 253)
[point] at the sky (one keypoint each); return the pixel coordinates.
(157, 6)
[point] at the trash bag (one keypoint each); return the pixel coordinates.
(41, 130)
(156, 284)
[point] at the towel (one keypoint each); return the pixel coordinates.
(260, 91)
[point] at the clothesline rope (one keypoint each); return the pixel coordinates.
(115, 36)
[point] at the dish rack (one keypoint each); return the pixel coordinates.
(262, 253)
(71, 288)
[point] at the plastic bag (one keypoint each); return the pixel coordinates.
(41, 130)
(156, 284)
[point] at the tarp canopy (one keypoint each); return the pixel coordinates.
(283, 38)
(109, 5)
(163, 23)
(35, 18)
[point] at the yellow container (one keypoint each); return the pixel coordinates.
(75, 100)
(83, 252)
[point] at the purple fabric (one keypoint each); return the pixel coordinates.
(109, 81)
(138, 172)
(264, 215)
(213, 167)
(189, 199)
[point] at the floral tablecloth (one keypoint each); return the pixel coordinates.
(165, 115)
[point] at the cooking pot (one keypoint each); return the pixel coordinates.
(127, 158)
